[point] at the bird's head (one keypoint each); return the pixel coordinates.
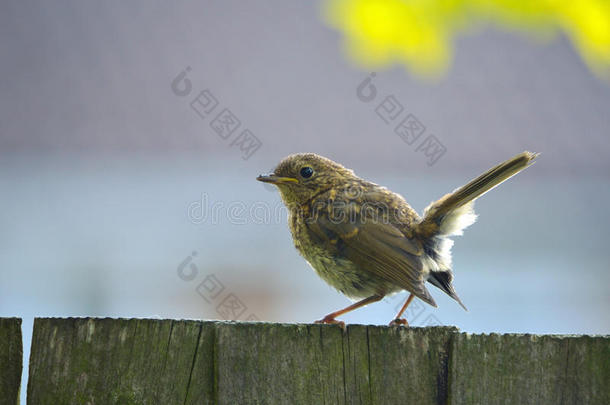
(302, 176)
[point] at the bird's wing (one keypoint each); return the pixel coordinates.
(377, 247)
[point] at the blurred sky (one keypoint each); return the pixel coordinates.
(100, 161)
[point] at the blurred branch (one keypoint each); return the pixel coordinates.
(419, 33)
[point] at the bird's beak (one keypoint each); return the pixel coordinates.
(273, 179)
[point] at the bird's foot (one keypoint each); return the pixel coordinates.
(329, 320)
(399, 322)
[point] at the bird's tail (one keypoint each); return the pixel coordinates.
(454, 212)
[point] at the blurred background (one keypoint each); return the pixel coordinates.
(131, 135)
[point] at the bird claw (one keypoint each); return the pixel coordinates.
(399, 322)
(331, 321)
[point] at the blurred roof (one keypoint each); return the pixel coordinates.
(95, 77)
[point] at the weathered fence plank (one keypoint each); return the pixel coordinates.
(113, 361)
(11, 359)
(118, 361)
(318, 364)
(530, 369)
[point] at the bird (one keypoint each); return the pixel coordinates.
(366, 241)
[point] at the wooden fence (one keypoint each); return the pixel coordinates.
(11, 358)
(142, 361)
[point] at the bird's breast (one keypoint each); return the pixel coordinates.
(332, 267)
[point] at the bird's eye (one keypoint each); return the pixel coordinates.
(306, 172)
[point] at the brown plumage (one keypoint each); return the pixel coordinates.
(365, 240)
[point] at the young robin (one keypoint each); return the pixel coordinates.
(365, 240)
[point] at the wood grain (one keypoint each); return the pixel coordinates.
(11, 359)
(139, 361)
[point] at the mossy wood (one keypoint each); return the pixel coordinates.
(138, 361)
(11, 359)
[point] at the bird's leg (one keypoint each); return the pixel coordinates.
(402, 321)
(330, 318)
